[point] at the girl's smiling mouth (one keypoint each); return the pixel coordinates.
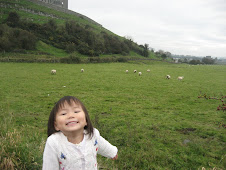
(71, 123)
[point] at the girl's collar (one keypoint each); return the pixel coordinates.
(81, 143)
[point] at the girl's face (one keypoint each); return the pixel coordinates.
(70, 119)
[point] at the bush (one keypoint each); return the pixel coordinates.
(71, 59)
(107, 59)
(13, 19)
(195, 62)
(15, 38)
(75, 59)
(70, 48)
(121, 59)
(101, 60)
(94, 59)
(26, 40)
(207, 60)
(5, 44)
(7, 39)
(83, 48)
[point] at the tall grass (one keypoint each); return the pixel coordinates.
(155, 123)
(50, 49)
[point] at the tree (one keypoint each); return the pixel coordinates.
(51, 25)
(164, 56)
(5, 44)
(185, 60)
(168, 54)
(208, 60)
(146, 50)
(129, 38)
(13, 19)
(160, 52)
(7, 40)
(152, 49)
(26, 40)
(70, 47)
(194, 62)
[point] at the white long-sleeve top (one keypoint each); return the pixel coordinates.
(61, 154)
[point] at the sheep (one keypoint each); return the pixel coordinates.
(82, 70)
(53, 71)
(139, 73)
(127, 71)
(167, 76)
(134, 71)
(148, 70)
(180, 78)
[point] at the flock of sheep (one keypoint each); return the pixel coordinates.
(178, 78)
(139, 73)
(148, 70)
(54, 71)
(134, 71)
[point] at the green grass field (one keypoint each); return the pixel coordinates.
(155, 123)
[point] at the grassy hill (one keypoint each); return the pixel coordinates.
(155, 123)
(57, 34)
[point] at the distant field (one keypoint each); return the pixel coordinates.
(155, 123)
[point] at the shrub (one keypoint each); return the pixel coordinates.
(207, 60)
(26, 40)
(74, 59)
(194, 62)
(71, 59)
(94, 59)
(7, 40)
(5, 44)
(13, 19)
(71, 47)
(83, 48)
(121, 59)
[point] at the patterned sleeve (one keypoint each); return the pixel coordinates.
(50, 160)
(104, 147)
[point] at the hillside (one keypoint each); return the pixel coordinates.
(47, 34)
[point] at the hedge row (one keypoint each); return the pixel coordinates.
(68, 60)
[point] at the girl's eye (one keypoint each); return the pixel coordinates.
(63, 113)
(76, 111)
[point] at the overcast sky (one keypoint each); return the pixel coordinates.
(186, 27)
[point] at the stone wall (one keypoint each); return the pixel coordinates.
(60, 3)
(28, 10)
(65, 11)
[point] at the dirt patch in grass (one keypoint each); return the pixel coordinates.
(187, 130)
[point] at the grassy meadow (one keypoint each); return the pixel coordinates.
(155, 123)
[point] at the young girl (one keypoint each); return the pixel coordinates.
(72, 141)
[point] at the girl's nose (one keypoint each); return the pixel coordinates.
(71, 115)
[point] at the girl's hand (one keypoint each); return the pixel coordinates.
(115, 158)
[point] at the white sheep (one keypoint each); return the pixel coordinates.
(148, 70)
(134, 71)
(53, 71)
(139, 73)
(180, 78)
(127, 71)
(82, 70)
(167, 76)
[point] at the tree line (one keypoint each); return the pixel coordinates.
(17, 35)
(204, 60)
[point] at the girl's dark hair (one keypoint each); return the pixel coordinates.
(70, 100)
